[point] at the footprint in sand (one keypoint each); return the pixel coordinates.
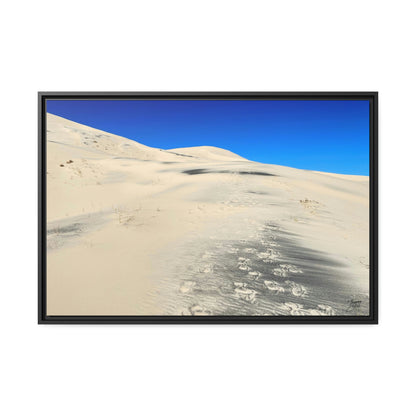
(292, 308)
(296, 289)
(208, 268)
(269, 256)
(327, 310)
(246, 294)
(243, 264)
(279, 272)
(294, 269)
(232, 250)
(198, 310)
(273, 286)
(254, 275)
(321, 310)
(187, 286)
(271, 244)
(274, 256)
(285, 269)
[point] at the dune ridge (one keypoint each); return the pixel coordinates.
(208, 152)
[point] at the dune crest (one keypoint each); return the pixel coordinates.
(208, 152)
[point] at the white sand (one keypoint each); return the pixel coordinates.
(134, 230)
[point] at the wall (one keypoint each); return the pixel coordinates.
(216, 45)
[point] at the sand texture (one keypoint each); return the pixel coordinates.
(135, 230)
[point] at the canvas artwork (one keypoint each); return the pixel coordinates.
(193, 208)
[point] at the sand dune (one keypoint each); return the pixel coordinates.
(208, 152)
(134, 230)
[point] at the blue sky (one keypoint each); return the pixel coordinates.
(328, 135)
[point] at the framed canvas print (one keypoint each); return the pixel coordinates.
(208, 207)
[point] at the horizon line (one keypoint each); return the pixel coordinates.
(215, 147)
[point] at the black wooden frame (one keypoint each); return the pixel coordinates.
(372, 318)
